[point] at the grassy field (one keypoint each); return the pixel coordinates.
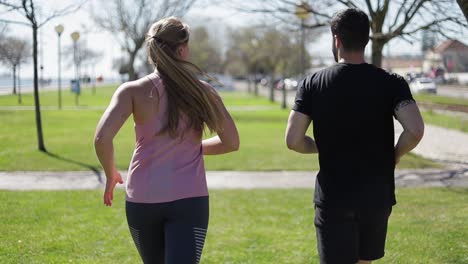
(438, 99)
(445, 120)
(262, 226)
(69, 137)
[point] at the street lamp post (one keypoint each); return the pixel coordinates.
(59, 29)
(75, 36)
(302, 12)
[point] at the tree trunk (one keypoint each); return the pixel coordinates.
(131, 69)
(272, 88)
(464, 7)
(40, 139)
(255, 86)
(255, 80)
(20, 100)
(14, 79)
(377, 48)
(283, 101)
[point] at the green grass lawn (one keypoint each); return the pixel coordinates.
(438, 99)
(260, 226)
(50, 98)
(445, 120)
(69, 136)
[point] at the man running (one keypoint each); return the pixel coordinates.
(352, 105)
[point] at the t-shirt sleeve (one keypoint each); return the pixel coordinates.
(303, 101)
(401, 91)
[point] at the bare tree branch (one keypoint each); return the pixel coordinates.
(129, 21)
(284, 10)
(14, 22)
(63, 12)
(464, 7)
(14, 50)
(9, 5)
(370, 9)
(429, 25)
(348, 3)
(397, 17)
(410, 16)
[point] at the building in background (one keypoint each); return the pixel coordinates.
(451, 55)
(403, 65)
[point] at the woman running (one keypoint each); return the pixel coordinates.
(166, 193)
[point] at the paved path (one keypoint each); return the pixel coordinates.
(453, 91)
(84, 180)
(446, 146)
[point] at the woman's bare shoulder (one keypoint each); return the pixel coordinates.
(135, 87)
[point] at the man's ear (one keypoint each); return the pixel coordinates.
(337, 41)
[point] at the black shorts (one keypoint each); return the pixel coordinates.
(349, 235)
(169, 233)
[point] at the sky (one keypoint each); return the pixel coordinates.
(217, 18)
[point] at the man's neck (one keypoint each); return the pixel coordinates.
(351, 57)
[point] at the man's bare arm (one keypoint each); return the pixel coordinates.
(407, 113)
(296, 138)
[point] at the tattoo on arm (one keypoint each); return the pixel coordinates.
(403, 104)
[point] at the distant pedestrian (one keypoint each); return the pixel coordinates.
(352, 105)
(166, 192)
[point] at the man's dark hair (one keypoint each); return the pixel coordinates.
(352, 27)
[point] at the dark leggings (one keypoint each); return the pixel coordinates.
(170, 233)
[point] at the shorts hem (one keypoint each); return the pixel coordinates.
(373, 258)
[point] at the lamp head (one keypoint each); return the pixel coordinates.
(59, 29)
(75, 36)
(302, 11)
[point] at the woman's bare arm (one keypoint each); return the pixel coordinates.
(118, 111)
(114, 117)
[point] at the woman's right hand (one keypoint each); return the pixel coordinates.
(226, 141)
(111, 182)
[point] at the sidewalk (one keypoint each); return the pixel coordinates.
(442, 145)
(83, 180)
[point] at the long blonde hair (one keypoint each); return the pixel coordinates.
(186, 95)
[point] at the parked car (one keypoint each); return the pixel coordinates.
(220, 82)
(291, 84)
(423, 85)
(288, 83)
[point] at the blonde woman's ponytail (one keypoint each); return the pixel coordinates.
(185, 93)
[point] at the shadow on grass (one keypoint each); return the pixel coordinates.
(94, 169)
(452, 179)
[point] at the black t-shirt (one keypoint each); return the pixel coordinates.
(352, 108)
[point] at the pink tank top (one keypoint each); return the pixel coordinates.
(162, 168)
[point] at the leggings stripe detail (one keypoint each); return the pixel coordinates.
(136, 238)
(200, 235)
